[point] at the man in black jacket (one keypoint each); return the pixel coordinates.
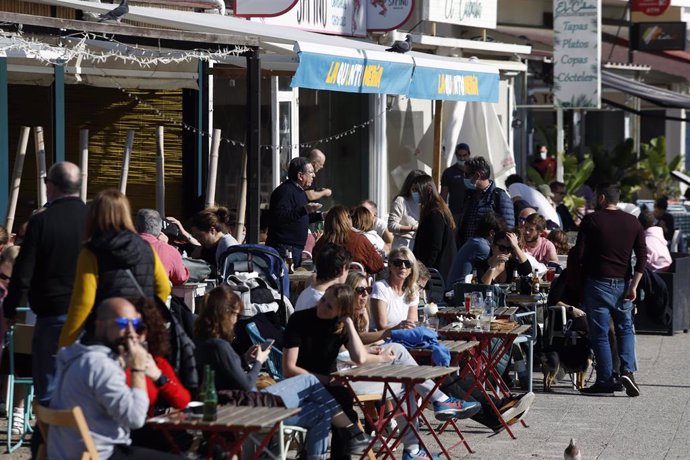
(44, 272)
(291, 212)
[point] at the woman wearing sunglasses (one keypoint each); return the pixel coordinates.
(394, 300)
(505, 257)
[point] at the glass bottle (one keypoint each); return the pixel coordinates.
(210, 399)
(516, 282)
(535, 283)
(475, 279)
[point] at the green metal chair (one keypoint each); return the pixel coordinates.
(24, 333)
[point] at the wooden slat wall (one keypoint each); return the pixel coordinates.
(108, 113)
(17, 6)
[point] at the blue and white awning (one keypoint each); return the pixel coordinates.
(352, 70)
(416, 75)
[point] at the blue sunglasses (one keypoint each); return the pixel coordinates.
(122, 323)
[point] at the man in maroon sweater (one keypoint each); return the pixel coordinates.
(605, 244)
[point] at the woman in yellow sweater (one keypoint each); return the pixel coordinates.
(115, 262)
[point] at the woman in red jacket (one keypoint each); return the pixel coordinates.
(337, 229)
(162, 385)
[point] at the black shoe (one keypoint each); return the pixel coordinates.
(631, 388)
(359, 444)
(598, 388)
(618, 386)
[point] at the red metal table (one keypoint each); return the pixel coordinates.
(407, 377)
(483, 361)
(242, 421)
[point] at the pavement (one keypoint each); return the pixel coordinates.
(655, 425)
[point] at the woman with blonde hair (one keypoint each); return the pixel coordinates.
(395, 299)
(337, 229)
(115, 262)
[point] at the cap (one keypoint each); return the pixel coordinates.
(545, 190)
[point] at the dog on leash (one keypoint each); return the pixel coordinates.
(572, 353)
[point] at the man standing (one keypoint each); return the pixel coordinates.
(453, 181)
(44, 271)
(318, 160)
(291, 212)
(482, 197)
(605, 244)
(89, 375)
(149, 224)
(332, 265)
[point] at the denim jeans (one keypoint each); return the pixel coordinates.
(604, 299)
(45, 348)
(318, 408)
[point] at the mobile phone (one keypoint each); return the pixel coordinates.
(266, 344)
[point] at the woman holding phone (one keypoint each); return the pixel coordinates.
(214, 330)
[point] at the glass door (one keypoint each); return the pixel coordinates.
(285, 126)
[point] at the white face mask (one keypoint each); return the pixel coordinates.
(542, 155)
(416, 197)
(460, 163)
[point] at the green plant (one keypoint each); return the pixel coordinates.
(575, 175)
(654, 171)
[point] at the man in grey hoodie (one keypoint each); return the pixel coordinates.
(89, 375)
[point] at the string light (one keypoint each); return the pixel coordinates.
(76, 46)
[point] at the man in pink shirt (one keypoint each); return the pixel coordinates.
(540, 248)
(149, 224)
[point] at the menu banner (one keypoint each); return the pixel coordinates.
(576, 54)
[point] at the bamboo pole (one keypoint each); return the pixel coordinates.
(160, 171)
(212, 169)
(41, 172)
(242, 203)
(126, 158)
(84, 162)
(17, 176)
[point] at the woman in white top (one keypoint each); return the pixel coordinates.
(394, 300)
(404, 215)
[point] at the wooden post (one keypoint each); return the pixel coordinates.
(84, 162)
(126, 157)
(242, 203)
(212, 169)
(438, 141)
(160, 171)
(17, 176)
(41, 172)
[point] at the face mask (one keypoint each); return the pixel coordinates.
(460, 163)
(470, 185)
(416, 197)
(542, 155)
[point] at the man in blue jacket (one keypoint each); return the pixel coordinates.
(482, 197)
(290, 211)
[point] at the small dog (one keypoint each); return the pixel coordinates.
(550, 365)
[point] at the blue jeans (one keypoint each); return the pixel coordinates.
(44, 349)
(604, 299)
(318, 409)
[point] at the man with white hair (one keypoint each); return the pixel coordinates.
(318, 160)
(149, 224)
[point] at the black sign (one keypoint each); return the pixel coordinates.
(658, 36)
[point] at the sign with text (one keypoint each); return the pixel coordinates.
(385, 15)
(468, 13)
(659, 36)
(576, 54)
(651, 7)
(249, 8)
(336, 17)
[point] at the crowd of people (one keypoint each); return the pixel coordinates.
(98, 280)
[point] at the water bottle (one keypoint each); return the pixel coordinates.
(489, 308)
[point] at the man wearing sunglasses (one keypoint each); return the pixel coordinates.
(90, 375)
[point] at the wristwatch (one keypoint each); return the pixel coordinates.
(162, 380)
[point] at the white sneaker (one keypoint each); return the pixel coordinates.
(18, 421)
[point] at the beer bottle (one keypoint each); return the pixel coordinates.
(475, 279)
(535, 283)
(210, 398)
(516, 282)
